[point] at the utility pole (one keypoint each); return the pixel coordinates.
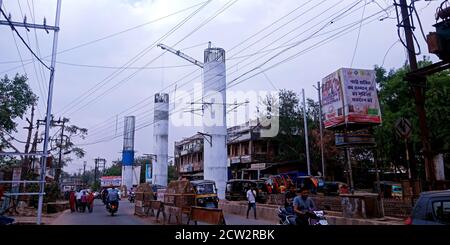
(419, 92)
(319, 90)
(49, 111)
(44, 154)
(306, 133)
(58, 167)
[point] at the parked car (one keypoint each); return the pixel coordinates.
(432, 208)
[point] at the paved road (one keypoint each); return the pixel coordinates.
(100, 216)
(125, 217)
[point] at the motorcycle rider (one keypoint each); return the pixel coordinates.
(113, 197)
(303, 206)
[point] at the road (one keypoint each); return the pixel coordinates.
(126, 216)
(100, 216)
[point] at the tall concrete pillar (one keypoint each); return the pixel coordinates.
(160, 139)
(214, 119)
(128, 151)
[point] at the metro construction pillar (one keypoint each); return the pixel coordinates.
(160, 139)
(128, 151)
(214, 119)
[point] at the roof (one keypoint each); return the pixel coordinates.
(436, 193)
(241, 180)
(198, 182)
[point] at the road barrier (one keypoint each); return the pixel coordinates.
(213, 216)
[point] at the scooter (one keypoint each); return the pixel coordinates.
(112, 207)
(132, 197)
(288, 217)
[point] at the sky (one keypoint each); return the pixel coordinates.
(94, 92)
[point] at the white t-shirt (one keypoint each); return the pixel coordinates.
(251, 196)
(78, 195)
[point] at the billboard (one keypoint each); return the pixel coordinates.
(107, 181)
(349, 96)
(148, 173)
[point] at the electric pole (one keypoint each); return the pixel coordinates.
(319, 91)
(55, 30)
(418, 91)
(306, 133)
(58, 167)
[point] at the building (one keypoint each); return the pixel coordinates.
(71, 183)
(249, 155)
(189, 157)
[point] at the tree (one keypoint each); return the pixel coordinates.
(16, 98)
(396, 101)
(114, 170)
(290, 120)
(66, 145)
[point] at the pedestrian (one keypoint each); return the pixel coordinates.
(90, 202)
(251, 197)
(72, 200)
(83, 201)
(78, 200)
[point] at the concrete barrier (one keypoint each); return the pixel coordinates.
(269, 213)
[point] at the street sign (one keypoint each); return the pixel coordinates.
(403, 128)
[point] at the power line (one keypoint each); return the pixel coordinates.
(226, 6)
(260, 31)
(138, 56)
(359, 33)
(113, 34)
(23, 41)
(285, 60)
(336, 18)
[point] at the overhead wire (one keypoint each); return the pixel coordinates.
(226, 6)
(138, 56)
(300, 33)
(238, 52)
(272, 66)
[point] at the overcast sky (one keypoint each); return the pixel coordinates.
(110, 91)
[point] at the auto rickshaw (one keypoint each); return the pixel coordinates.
(310, 182)
(389, 189)
(205, 193)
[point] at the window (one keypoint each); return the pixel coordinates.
(441, 211)
(245, 149)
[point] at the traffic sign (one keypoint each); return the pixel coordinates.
(403, 128)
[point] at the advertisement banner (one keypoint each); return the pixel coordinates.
(360, 98)
(148, 173)
(350, 96)
(108, 181)
(332, 100)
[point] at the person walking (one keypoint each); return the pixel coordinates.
(83, 201)
(78, 195)
(72, 200)
(90, 202)
(251, 198)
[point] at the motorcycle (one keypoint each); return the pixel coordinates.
(132, 197)
(288, 217)
(112, 207)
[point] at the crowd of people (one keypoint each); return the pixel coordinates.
(81, 200)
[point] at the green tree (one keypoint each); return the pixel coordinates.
(396, 101)
(16, 98)
(114, 170)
